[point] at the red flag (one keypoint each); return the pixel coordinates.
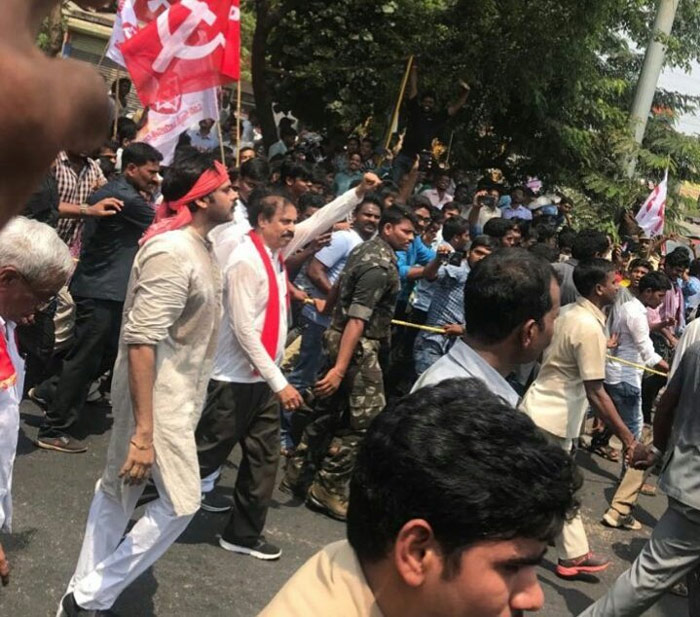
(191, 46)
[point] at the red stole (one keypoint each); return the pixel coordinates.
(8, 374)
(271, 326)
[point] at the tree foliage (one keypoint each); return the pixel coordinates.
(552, 82)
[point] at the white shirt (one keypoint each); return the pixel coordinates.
(240, 355)
(634, 345)
(434, 196)
(279, 147)
(9, 425)
(462, 361)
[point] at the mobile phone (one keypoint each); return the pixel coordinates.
(487, 200)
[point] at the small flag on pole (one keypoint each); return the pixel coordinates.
(651, 215)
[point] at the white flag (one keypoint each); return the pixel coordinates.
(651, 215)
(167, 120)
(125, 26)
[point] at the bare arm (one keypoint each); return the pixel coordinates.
(352, 333)
(318, 276)
(461, 100)
(413, 82)
(605, 408)
(408, 183)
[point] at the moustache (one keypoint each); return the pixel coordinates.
(288, 234)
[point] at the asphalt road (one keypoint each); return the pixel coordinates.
(52, 493)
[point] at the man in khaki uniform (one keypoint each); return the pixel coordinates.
(451, 466)
(571, 379)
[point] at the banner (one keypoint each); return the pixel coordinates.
(651, 216)
(168, 119)
(188, 46)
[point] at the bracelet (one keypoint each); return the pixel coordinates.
(83, 210)
(138, 447)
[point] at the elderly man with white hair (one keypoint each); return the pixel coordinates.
(34, 265)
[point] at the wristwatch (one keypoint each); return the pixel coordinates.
(83, 210)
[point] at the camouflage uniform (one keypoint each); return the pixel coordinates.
(369, 286)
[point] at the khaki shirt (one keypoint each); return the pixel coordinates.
(557, 400)
(173, 303)
(330, 584)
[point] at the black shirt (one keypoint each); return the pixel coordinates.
(422, 127)
(111, 243)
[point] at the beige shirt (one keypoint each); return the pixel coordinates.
(557, 400)
(174, 303)
(330, 584)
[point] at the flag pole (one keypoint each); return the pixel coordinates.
(238, 122)
(397, 108)
(117, 103)
(218, 127)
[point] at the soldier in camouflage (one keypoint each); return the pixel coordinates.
(351, 393)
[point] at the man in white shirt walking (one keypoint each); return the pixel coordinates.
(247, 385)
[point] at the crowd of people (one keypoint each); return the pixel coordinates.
(417, 347)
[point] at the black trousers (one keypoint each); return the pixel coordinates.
(36, 342)
(93, 352)
(245, 414)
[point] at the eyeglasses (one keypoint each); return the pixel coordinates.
(42, 302)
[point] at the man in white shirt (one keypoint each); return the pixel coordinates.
(511, 300)
(517, 208)
(34, 265)
(247, 385)
(623, 383)
(439, 196)
(203, 138)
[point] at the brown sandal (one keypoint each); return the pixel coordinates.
(607, 452)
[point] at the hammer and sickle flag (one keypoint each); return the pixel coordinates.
(191, 46)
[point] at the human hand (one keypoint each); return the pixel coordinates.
(464, 85)
(298, 295)
(320, 242)
(320, 305)
(139, 461)
(453, 329)
(108, 206)
(329, 384)
(475, 202)
(343, 226)
(369, 183)
(641, 457)
(4, 568)
(290, 399)
(614, 340)
(33, 102)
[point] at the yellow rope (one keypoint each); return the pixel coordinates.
(639, 366)
(406, 324)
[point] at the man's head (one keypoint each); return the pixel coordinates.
(638, 269)
(254, 173)
(246, 154)
(398, 227)
(421, 207)
(273, 216)
(595, 279)
(354, 162)
(462, 194)
(206, 125)
(107, 157)
(123, 85)
(520, 196)
(442, 181)
(191, 168)
(481, 247)
(353, 145)
(677, 262)
(126, 131)
(367, 216)
(34, 264)
(309, 204)
(504, 230)
(653, 288)
(141, 166)
(589, 243)
(453, 500)
(427, 102)
(366, 148)
(296, 178)
(450, 210)
(288, 136)
(511, 299)
(388, 192)
(455, 231)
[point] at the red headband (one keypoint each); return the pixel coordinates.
(171, 215)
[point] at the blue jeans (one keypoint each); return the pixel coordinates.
(628, 402)
(305, 372)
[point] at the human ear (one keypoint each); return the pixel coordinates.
(415, 552)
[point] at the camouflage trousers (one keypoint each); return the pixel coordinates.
(328, 447)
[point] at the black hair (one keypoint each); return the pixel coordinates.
(293, 170)
(418, 202)
(256, 169)
(462, 459)
(393, 215)
(485, 241)
(486, 184)
(503, 291)
(287, 131)
(566, 238)
(182, 175)
(455, 226)
(451, 205)
(678, 258)
(640, 262)
(428, 93)
(498, 228)
(265, 201)
(310, 200)
(545, 251)
(545, 231)
(589, 243)
(592, 272)
(371, 198)
(436, 215)
(126, 129)
(139, 154)
(656, 281)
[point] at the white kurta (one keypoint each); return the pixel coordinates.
(9, 426)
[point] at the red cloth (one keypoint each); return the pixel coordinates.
(175, 214)
(8, 373)
(192, 46)
(271, 325)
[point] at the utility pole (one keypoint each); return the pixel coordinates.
(651, 70)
